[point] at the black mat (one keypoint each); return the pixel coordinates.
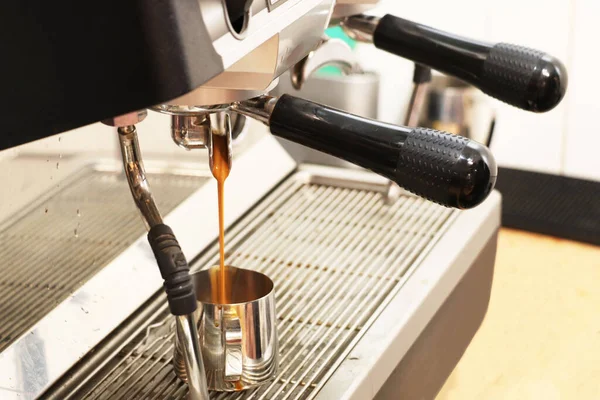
(549, 204)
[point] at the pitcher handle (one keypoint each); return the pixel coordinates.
(233, 347)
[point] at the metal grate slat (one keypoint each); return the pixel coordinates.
(57, 244)
(336, 254)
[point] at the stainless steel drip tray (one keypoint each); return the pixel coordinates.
(355, 276)
(58, 242)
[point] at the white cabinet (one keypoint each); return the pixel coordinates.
(583, 139)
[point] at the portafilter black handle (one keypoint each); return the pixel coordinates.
(447, 169)
(525, 78)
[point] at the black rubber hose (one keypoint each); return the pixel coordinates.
(174, 270)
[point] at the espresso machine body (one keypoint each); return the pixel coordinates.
(78, 64)
(382, 263)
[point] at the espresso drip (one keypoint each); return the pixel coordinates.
(220, 169)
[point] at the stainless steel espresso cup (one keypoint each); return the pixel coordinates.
(238, 340)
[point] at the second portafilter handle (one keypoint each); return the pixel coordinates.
(447, 169)
(526, 78)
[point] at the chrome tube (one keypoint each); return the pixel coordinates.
(187, 337)
(140, 189)
(136, 176)
(415, 106)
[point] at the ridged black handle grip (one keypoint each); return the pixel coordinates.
(174, 270)
(444, 168)
(448, 169)
(525, 78)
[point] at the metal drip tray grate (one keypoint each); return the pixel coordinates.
(335, 253)
(57, 244)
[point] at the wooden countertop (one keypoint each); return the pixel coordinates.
(541, 336)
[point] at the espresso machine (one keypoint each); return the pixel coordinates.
(374, 267)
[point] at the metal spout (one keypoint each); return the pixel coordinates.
(220, 125)
(190, 132)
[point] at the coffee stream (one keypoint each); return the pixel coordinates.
(220, 169)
